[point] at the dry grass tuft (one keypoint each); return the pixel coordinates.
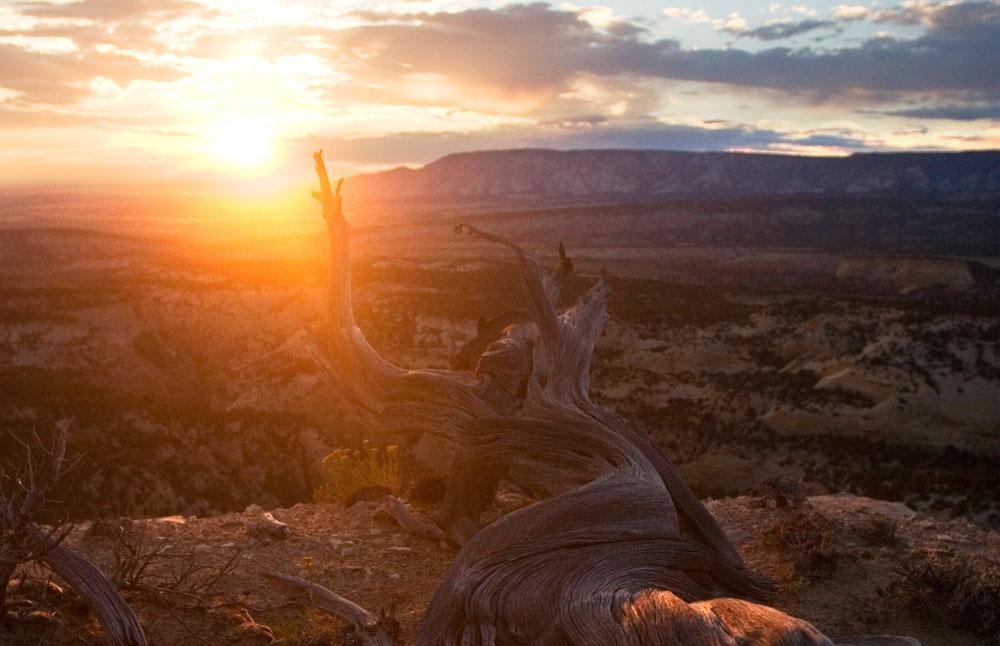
(346, 472)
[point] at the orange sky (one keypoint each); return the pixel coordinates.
(236, 93)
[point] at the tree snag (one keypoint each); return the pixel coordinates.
(618, 551)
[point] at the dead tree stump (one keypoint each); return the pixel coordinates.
(618, 551)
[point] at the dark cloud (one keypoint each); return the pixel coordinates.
(537, 48)
(954, 112)
(939, 15)
(781, 30)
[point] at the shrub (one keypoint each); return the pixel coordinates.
(346, 472)
(961, 591)
(806, 539)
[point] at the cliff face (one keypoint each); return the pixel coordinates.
(632, 175)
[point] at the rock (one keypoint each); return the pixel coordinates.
(399, 549)
(253, 509)
(268, 526)
(348, 550)
(202, 547)
(844, 503)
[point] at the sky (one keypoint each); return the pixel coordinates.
(163, 92)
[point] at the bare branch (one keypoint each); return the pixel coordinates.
(542, 292)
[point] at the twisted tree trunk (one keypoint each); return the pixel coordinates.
(121, 626)
(619, 550)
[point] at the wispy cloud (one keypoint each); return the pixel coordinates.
(787, 29)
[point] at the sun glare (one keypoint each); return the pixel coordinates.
(246, 144)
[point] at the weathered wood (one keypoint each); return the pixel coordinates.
(618, 551)
(373, 630)
(24, 493)
(405, 518)
(121, 626)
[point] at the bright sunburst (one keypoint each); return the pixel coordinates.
(246, 144)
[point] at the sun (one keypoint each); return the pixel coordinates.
(244, 144)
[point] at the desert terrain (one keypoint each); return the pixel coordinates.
(845, 370)
(767, 371)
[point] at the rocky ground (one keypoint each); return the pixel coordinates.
(852, 565)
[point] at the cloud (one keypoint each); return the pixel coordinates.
(735, 24)
(108, 10)
(587, 77)
(530, 58)
(538, 49)
(941, 15)
(66, 78)
(850, 12)
(953, 112)
(686, 15)
(97, 39)
(787, 29)
(515, 48)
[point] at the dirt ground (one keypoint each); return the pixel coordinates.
(837, 559)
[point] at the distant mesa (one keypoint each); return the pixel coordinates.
(540, 175)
